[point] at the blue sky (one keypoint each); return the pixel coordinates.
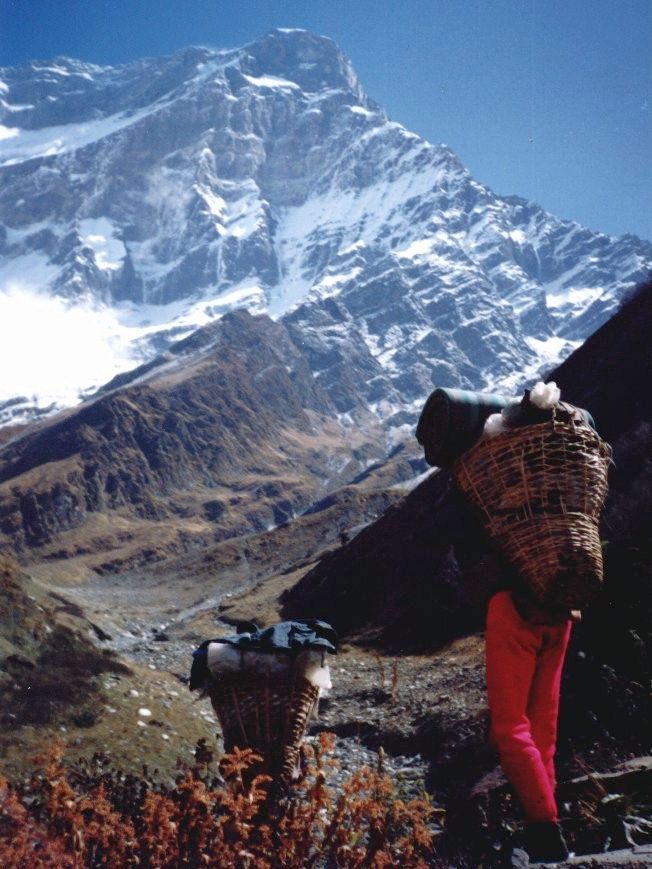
(547, 99)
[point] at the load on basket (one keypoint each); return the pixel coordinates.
(264, 686)
(537, 473)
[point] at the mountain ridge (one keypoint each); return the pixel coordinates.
(219, 440)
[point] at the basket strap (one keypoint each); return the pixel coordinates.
(289, 708)
(236, 705)
(267, 713)
(287, 751)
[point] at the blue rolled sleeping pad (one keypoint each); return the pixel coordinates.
(452, 421)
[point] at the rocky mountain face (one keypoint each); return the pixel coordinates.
(227, 433)
(151, 198)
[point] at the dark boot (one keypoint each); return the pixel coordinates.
(544, 842)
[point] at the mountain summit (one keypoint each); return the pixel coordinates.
(140, 202)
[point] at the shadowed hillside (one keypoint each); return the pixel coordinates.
(399, 584)
(49, 665)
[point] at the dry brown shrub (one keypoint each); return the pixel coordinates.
(95, 816)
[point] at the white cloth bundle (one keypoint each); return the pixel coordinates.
(494, 425)
(225, 658)
(545, 395)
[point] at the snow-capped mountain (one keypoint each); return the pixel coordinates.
(140, 202)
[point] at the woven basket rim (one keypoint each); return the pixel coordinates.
(268, 678)
(491, 444)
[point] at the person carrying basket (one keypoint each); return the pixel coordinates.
(537, 476)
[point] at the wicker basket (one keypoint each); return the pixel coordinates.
(540, 490)
(268, 712)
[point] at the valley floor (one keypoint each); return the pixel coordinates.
(427, 712)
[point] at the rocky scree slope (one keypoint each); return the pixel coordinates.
(157, 195)
(227, 433)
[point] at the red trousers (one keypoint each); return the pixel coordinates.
(524, 665)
